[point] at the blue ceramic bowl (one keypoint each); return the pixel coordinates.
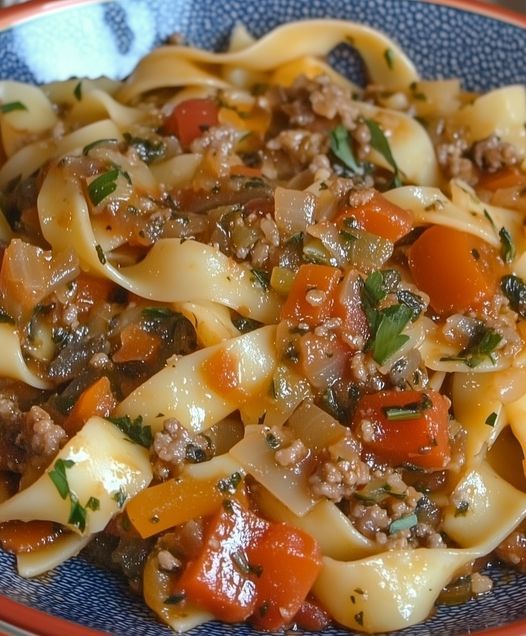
(44, 41)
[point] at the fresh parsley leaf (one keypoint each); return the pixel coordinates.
(415, 302)
(103, 185)
(77, 513)
(93, 503)
(134, 429)
(507, 247)
(514, 288)
(119, 497)
(374, 287)
(388, 337)
(59, 478)
(380, 144)
(9, 107)
(147, 150)
(341, 147)
(157, 313)
(482, 344)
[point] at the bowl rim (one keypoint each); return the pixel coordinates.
(25, 617)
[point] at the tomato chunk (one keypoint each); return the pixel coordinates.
(220, 580)
(404, 427)
(381, 217)
(457, 270)
(290, 562)
(311, 297)
(191, 118)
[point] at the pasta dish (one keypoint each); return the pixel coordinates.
(263, 331)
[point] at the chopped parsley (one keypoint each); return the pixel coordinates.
(103, 185)
(386, 325)
(58, 476)
(134, 429)
(93, 503)
(242, 564)
(462, 508)
(342, 149)
(491, 420)
(120, 497)
(78, 512)
(100, 254)
(98, 142)
(380, 144)
(229, 485)
(507, 247)
(415, 302)
(409, 411)
(514, 288)
(482, 345)
(157, 313)
(261, 277)
(148, 151)
(9, 107)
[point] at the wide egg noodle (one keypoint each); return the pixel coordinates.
(41, 560)
(208, 273)
(12, 363)
(32, 157)
(107, 466)
(183, 391)
(32, 114)
(181, 66)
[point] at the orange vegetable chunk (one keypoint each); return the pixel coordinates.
(191, 118)
(97, 399)
(421, 439)
(457, 270)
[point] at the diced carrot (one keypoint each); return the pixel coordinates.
(405, 427)
(457, 270)
(290, 561)
(311, 297)
(509, 177)
(27, 536)
(379, 216)
(92, 290)
(97, 399)
(221, 579)
(136, 344)
(175, 501)
(221, 372)
(191, 118)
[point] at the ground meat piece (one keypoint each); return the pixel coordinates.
(173, 446)
(369, 520)
(331, 100)
(337, 480)
(167, 561)
(292, 454)
(513, 550)
(451, 157)
(492, 154)
(216, 144)
(301, 146)
(41, 436)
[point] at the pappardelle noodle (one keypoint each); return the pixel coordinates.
(263, 331)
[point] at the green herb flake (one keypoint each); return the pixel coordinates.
(77, 513)
(120, 497)
(491, 420)
(242, 564)
(98, 142)
(77, 91)
(261, 277)
(9, 107)
(415, 302)
(103, 185)
(157, 313)
(389, 337)
(389, 58)
(482, 345)
(462, 508)
(272, 441)
(229, 485)
(134, 429)
(514, 289)
(93, 503)
(58, 476)
(148, 150)
(174, 599)
(381, 145)
(342, 149)
(409, 411)
(359, 618)
(507, 247)
(490, 219)
(100, 254)
(404, 523)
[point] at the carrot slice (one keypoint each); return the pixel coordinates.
(457, 270)
(136, 344)
(97, 399)
(381, 217)
(509, 177)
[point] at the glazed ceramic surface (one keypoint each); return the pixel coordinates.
(91, 38)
